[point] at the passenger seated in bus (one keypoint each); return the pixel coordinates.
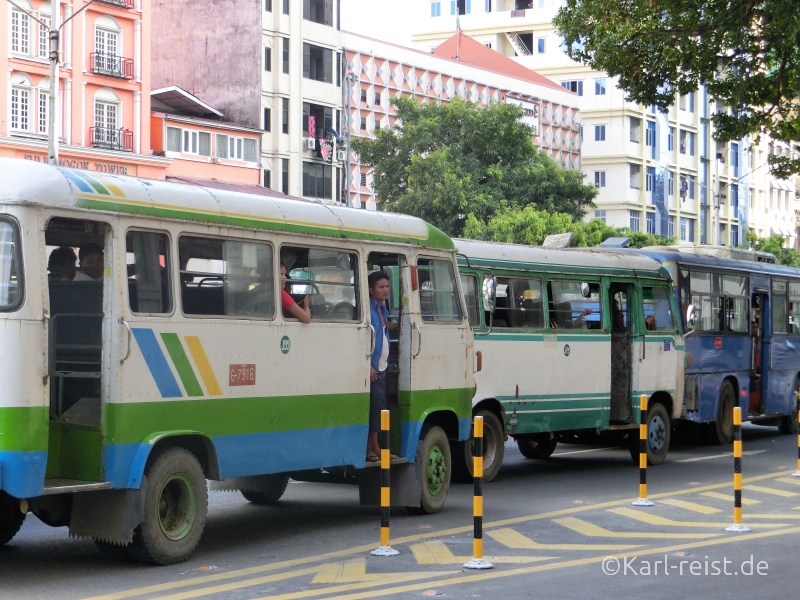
(650, 323)
(561, 316)
(289, 306)
(62, 264)
(91, 259)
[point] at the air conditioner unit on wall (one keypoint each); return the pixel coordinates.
(310, 144)
(341, 155)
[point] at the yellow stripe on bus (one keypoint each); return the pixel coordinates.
(201, 360)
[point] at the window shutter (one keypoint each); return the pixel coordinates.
(205, 143)
(173, 139)
(222, 146)
(249, 150)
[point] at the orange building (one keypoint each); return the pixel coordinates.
(200, 143)
(103, 120)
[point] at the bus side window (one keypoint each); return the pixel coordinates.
(657, 310)
(794, 307)
(148, 267)
(469, 283)
(328, 277)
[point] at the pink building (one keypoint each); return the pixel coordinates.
(104, 84)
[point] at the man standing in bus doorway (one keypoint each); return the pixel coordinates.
(378, 392)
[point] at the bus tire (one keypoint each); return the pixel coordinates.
(533, 448)
(273, 488)
(493, 449)
(175, 509)
(11, 518)
(721, 430)
(789, 425)
(659, 432)
(433, 452)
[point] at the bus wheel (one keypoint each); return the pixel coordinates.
(789, 425)
(658, 433)
(11, 518)
(541, 448)
(433, 452)
(721, 430)
(271, 490)
(493, 447)
(175, 507)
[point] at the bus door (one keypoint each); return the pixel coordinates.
(77, 274)
(620, 299)
(758, 375)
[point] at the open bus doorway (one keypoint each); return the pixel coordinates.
(621, 361)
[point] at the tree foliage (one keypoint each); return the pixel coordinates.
(746, 52)
(774, 245)
(530, 226)
(442, 162)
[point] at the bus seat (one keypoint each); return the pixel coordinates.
(532, 315)
(205, 300)
(563, 315)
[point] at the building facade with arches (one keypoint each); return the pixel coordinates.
(103, 108)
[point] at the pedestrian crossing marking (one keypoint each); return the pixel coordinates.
(436, 552)
(693, 506)
(772, 491)
(355, 570)
(729, 498)
(790, 479)
(514, 539)
(591, 530)
(770, 516)
(651, 519)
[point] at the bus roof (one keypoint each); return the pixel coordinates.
(672, 254)
(29, 182)
(584, 260)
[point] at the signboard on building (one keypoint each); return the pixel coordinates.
(530, 113)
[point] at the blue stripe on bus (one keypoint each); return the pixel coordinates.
(79, 183)
(22, 473)
(157, 363)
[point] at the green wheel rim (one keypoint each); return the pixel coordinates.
(177, 507)
(435, 469)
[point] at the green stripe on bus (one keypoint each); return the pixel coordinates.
(589, 336)
(99, 187)
(182, 364)
(23, 429)
(435, 238)
(500, 265)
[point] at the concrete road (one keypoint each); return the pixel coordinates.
(556, 528)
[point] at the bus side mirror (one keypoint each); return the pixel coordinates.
(691, 318)
(488, 292)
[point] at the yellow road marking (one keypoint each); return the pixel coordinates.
(592, 530)
(514, 539)
(651, 519)
(486, 575)
(769, 516)
(790, 479)
(729, 498)
(355, 570)
(204, 579)
(772, 491)
(693, 506)
(436, 552)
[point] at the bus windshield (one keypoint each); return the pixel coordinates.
(10, 292)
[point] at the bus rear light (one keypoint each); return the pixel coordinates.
(688, 360)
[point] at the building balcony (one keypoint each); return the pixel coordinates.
(111, 65)
(111, 139)
(120, 3)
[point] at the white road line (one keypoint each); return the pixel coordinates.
(583, 451)
(726, 455)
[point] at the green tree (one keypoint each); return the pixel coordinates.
(774, 245)
(746, 53)
(530, 226)
(442, 162)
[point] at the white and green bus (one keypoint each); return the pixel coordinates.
(569, 339)
(130, 384)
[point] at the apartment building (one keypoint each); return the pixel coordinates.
(103, 109)
(377, 71)
(274, 65)
(656, 172)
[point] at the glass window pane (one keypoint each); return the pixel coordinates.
(438, 293)
(328, 277)
(657, 310)
(10, 277)
(573, 305)
(734, 285)
(521, 304)
(701, 282)
(469, 284)
(147, 258)
(738, 315)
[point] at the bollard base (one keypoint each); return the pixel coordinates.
(643, 502)
(795, 475)
(737, 528)
(384, 551)
(478, 563)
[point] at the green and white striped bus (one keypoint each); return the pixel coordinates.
(129, 384)
(569, 339)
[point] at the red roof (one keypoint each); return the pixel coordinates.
(246, 188)
(474, 53)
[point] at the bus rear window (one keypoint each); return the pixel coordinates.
(10, 267)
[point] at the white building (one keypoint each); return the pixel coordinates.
(661, 173)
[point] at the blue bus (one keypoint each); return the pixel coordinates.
(740, 314)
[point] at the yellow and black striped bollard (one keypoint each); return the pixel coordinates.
(737, 472)
(477, 561)
(797, 473)
(642, 501)
(386, 495)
